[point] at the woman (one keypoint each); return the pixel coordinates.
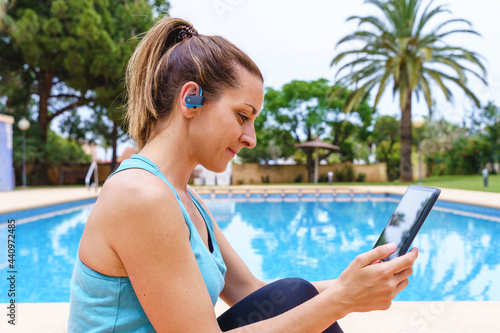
(151, 257)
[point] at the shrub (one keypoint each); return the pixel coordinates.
(323, 178)
(361, 177)
(339, 174)
(349, 172)
(299, 177)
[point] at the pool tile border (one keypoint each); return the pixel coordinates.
(335, 195)
(273, 194)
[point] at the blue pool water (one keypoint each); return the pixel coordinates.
(314, 240)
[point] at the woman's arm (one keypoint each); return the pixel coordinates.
(146, 228)
(322, 285)
(239, 280)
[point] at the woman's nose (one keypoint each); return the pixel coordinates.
(248, 138)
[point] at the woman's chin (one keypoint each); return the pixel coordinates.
(216, 168)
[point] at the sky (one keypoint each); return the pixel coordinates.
(296, 40)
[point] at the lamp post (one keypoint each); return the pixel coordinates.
(24, 125)
(419, 122)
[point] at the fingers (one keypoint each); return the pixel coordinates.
(369, 283)
(378, 253)
(404, 274)
(405, 261)
(402, 285)
(401, 281)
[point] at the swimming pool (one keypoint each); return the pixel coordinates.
(313, 238)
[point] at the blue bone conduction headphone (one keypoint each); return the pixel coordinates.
(195, 101)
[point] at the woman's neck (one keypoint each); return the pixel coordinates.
(169, 150)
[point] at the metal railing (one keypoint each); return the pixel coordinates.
(95, 184)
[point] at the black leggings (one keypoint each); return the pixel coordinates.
(269, 301)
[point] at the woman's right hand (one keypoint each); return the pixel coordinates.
(369, 284)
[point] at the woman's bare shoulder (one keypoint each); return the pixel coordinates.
(135, 186)
(131, 206)
(134, 195)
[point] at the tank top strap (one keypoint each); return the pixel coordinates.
(137, 161)
(204, 214)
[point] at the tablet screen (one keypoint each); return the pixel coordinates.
(405, 218)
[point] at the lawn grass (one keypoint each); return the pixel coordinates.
(467, 182)
(471, 182)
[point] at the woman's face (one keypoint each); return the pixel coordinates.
(222, 128)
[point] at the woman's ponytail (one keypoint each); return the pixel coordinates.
(140, 77)
(169, 55)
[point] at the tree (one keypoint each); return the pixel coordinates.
(109, 106)
(399, 47)
(349, 130)
(101, 128)
(450, 149)
(69, 53)
(489, 120)
(301, 111)
(386, 136)
(58, 150)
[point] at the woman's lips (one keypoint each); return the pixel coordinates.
(232, 152)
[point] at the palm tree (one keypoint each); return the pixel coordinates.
(399, 48)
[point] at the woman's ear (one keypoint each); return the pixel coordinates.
(189, 89)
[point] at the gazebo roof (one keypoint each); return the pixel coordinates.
(317, 143)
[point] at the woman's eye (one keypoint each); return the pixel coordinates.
(243, 117)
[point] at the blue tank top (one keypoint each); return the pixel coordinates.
(103, 303)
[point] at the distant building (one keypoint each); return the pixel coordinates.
(90, 149)
(202, 176)
(6, 167)
(127, 153)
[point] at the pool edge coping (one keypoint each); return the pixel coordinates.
(447, 194)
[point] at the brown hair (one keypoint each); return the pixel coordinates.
(164, 61)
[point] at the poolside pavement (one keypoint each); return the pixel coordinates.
(39, 197)
(419, 317)
(430, 317)
(402, 317)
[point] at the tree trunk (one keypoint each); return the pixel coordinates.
(406, 141)
(41, 167)
(114, 138)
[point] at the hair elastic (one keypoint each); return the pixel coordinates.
(187, 32)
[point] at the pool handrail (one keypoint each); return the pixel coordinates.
(93, 168)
